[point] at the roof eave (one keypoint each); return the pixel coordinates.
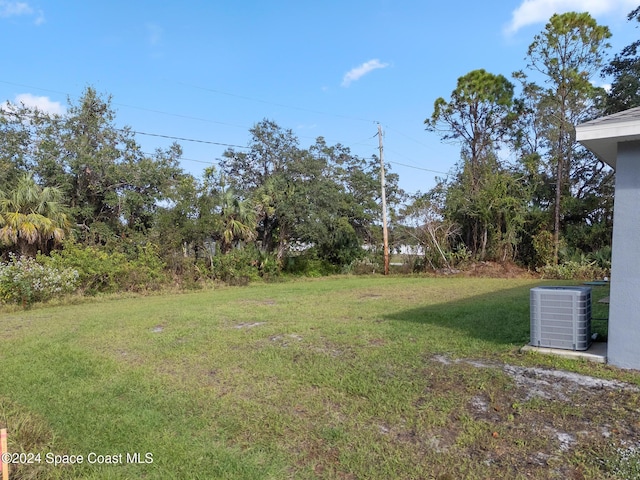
(603, 139)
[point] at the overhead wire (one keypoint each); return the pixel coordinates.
(206, 162)
(135, 107)
(178, 115)
(183, 139)
(417, 168)
(244, 146)
(348, 117)
(229, 145)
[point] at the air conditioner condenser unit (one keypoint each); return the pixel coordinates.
(561, 317)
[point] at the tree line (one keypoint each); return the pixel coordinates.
(524, 190)
(78, 183)
(75, 187)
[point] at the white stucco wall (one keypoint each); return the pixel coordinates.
(624, 308)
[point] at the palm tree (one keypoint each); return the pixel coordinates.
(238, 220)
(32, 218)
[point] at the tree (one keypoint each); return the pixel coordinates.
(111, 186)
(322, 197)
(270, 150)
(17, 126)
(625, 69)
(490, 213)
(567, 53)
(423, 220)
(178, 228)
(480, 116)
(238, 220)
(145, 181)
(260, 174)
(32, 218)
(345, 208)
(81, 152)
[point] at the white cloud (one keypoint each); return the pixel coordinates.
(531, 12)
(154, 34)
(358, 72)
(605, 86)
(40, 17)
(16, 9)
(44, 104)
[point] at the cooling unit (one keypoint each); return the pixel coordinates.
(561, 317)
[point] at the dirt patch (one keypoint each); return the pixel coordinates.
(560, 385)
(370, 296)
(548, 384)
(245, 325)
(538, 420)
(266, 302)
(284, 340)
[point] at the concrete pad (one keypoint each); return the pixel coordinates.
(597, 352)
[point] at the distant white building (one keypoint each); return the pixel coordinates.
(417, 250)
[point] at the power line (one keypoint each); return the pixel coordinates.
(195, 140)
(209, 142)
(171, 137)
(188, 117)
(31, 86)
(206, 162)
(348, 117)
(145, 109)
(417, 168)
(178, 115)
(407, 136)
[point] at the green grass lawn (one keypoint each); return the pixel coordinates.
(345, 378)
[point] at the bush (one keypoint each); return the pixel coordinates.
(24, 281)
(602, 257)
(240, 266)
(147, 270)
(573, 270)
(103, 272)
(544, 247)
(369, 265)
(308, 265)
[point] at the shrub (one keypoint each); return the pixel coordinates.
(268, 266)
(543, 247)
(366, 266)
(240, 266)
(573, 270)
(98, 271)
(602, 257)
(146, 271)
(105, 272)
(308, 265)
(24, 280)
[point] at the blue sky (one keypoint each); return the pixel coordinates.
(209, 70)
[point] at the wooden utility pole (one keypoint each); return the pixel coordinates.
(385, 234)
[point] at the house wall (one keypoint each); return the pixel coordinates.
(624, 308)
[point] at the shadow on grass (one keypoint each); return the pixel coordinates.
(501, 317)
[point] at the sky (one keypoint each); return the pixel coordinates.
(204, 72)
